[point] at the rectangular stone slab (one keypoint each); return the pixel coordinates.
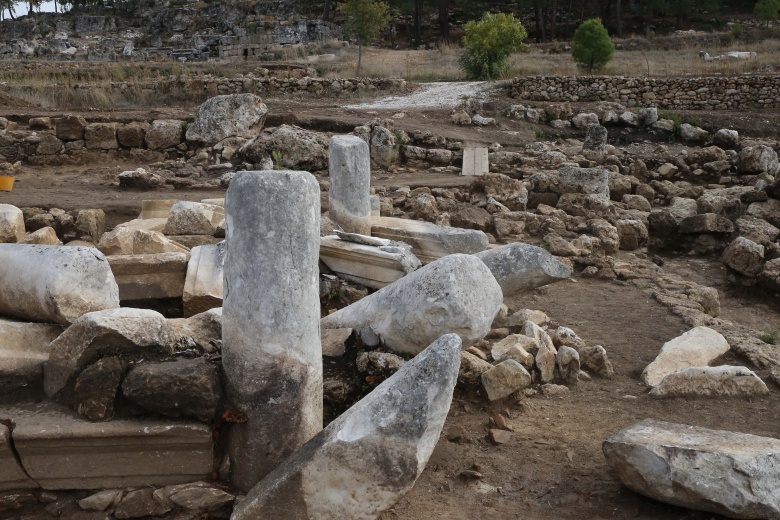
(11, 474)
(59, 450)
(204, 281)
(24, 348)
(190, 241)
(149, 277)
(429, 241)
(475, 162)
(366, 265)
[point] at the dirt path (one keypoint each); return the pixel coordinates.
(433, 95)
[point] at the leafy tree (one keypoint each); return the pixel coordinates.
(767, 9)
(365, 20)
(489, 42)
(7, 5)
(591, 47)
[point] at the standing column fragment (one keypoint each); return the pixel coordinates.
(350, 181)
(272, 355)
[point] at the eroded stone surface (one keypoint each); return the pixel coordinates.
(54, 284)
(272, 357)
(350, 179)
(696, 348)
(369, 457)
(520, 267)
(457, 294)
(733, 474)
(710, 381)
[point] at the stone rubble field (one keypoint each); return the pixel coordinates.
(315, 339)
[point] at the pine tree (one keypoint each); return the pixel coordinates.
(767, 9)
(591, 47)
(489, 42)
(365, 20)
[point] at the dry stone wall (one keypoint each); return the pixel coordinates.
(694, 93)
(212, 85)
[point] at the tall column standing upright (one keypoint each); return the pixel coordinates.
(350, 183)
(271, 354)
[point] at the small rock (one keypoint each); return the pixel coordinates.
(499, 436)
(568, 362)
(696, 348)
(140, 503)
(595, 359)
(504, 379)
(333, 341)
(472, 368)
(101, 500)
(551, 390)
(710, 381)
(96, 388)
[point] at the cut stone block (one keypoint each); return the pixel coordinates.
(191, 241)
(367, 265)
(203, 284)
(728, 473)
(24, 348)
(123, 240)
(429, 242)
(54, 284)
(11, 223)
(156, 208)
(61, 451)
(194, 218)
(475, 162)
(350, 178)
(369, 457)
(11, 474)
(149, 277)
(148, 224)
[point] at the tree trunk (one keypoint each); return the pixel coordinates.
(444, 19)
(417, 16)
(360, 57)
(619, 21)
(553, 16)
(568, 18)
(540, 36)
(326, 11)
(582, 10)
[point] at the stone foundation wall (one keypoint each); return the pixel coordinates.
(268, 85)
(695, 93)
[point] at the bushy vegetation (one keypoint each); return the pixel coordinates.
(592, 47)
(488, 43)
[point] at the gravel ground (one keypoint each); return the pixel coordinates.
(433, 95)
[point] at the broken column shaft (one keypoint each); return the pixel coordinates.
(350, 181)
(271, 356)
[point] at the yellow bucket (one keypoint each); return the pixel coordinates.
(6, 183)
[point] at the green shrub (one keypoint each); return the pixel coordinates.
(489, 42)
(736, 30)
(592, 47)
(767, 9)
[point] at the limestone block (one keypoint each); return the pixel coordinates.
(100, 136)
(193, 218)
(728, 473)
(54, 284)
(696, 348)
(149, 277)
(164, 133)
(710, 381)
(369, 457)
(12, 475)
(504, 379)
(150, 224)
(61, 451)
(744, 256)
(204, 280)
(131, 333)
(70, 128)
(226, 116)
(24, 348)
(429, 242)
(44, 236)
(757, 159)
(132, 134)
(204, 329)
(90, 224)
(456, 293)
(372, 266)
(125, 240)
(11, 224)
(520, 267)
(589, 181)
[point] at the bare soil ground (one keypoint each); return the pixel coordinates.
(553, 466)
